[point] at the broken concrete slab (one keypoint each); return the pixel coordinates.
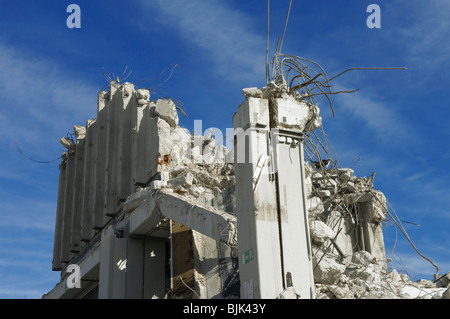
(351, 187)
(253, 112)
(67, 143)
(324, 193)
(143, 96)
(446, 294)
(252, 92)
(291, 114)
(320, 232)
(327, 271)
(442, 280)
(208, 221)
(345, 174)
(183, 181)
(166, 109)
(80, 131)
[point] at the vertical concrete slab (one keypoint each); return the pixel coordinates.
(126, 131)
(66, 226)
(141, 145)
(372, 233)
(206, 262)
(99, 219)
(295, 240)
(89, 181)
(113, 156)
(256, 206)
(56, 262)
(159, 145)
(78, 197)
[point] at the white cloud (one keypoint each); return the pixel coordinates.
(40, 99)
(427, 31)
(378, 116)
(224, 33)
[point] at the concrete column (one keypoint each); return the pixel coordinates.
(207, 270)
(256, 205)
(113, 266)
(132, 268)
(135, 268)
(106, 264)
(270, 199)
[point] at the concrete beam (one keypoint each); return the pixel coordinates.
(209, 221)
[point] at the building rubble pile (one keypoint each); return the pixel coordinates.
(357, 275)
(192, 165)
(200, 169)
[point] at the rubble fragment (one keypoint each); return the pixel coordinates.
(320, 232)
(67, 143)
(166, 110)
(327, 271)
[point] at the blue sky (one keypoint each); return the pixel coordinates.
(396, 124)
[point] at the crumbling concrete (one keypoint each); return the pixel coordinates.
(171, 188)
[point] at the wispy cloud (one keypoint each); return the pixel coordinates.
(42, 98)
(222, 32)
(428, 33)
(378, 116)
(26, 213)
(415, 266)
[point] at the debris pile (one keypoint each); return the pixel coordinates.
(199, 170)
(191, 181)
(192, 165)
(345, 215)
(366, 278)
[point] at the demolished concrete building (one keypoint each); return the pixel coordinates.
(147, 209)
